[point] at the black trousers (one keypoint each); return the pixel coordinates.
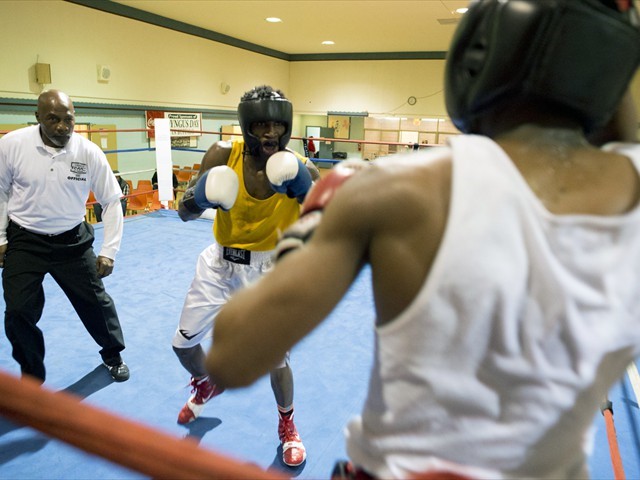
(69, 258)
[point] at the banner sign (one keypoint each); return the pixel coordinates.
(177, 120)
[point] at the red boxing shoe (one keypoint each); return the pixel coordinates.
(293, 451)
(203, 391)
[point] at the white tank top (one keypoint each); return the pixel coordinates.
(491, 371)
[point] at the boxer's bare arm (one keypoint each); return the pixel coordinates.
(264, 321)
(268, 309)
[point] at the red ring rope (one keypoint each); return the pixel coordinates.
(141, 448)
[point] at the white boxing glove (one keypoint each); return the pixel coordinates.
(287, 174)
(217, 188)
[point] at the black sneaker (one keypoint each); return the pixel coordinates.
(120, 372)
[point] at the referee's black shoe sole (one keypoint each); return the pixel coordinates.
(120, 372)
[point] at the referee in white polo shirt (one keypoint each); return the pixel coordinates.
(46, 173)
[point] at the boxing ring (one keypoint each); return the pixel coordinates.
(152, 273)
(130, 444)
(84, 425)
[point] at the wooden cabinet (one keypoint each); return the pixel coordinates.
(394, 134)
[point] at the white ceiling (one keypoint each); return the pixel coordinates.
(356, 26)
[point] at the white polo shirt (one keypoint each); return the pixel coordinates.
(45, 189)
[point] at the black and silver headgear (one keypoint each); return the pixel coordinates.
(263, 104)
(577, 54)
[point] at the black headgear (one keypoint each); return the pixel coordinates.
(262, 107)
(577, 54)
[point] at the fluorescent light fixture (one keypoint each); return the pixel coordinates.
(350, 114)
(328, 42)
(273, 20)
(461, 10)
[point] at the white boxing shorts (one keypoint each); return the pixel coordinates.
(220, 271)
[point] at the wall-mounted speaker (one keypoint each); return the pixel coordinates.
(104, 73)
(43, 73)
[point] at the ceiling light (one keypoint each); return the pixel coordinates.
(328, 42)
(461, 10)
(273, 20)
(349, 114)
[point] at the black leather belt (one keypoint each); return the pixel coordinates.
(52, 236)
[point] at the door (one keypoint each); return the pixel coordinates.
(325, 148)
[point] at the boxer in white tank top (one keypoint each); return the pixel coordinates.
(505, 266)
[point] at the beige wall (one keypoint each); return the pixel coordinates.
(155, 66)
(149, 64)
(377, 87)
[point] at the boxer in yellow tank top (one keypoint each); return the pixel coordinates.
(256, 186)
(253, 223)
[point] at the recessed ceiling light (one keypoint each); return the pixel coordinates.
(328, 42)
(273, 20)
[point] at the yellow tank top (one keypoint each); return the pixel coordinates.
(253, 224)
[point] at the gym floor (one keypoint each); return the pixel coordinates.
(152, 274)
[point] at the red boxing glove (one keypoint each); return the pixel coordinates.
(317, 198)
(324, 189)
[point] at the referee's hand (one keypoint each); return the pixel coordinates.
(104, 266)
(3, 250)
